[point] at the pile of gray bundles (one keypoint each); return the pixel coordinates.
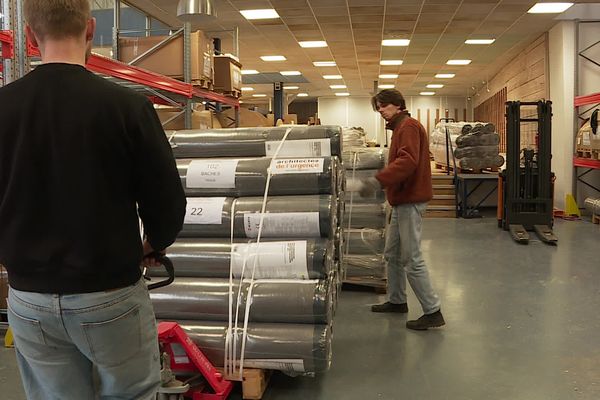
(477, 147)
(286, 285)
(364, 219)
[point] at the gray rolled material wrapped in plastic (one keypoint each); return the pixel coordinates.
(476, 151)
(365, 215)
(302, 348)
(316, 175)
(365, 241)
(212, 258)
(481, 162)
(365, 158)
(487, 139)
(365, 266)
(309, 216)
(273, 300)
(353, 184)
(302, 141)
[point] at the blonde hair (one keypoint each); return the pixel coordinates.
(57, 19)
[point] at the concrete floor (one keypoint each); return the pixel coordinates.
(522, 324)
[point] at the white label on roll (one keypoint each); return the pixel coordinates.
(288, 365)
(586, 139)
(204, 210)
(297, 166)
(212, 174)
(299, 148)
(275, 260)
(293, 224)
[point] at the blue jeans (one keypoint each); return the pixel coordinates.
(404, 258)
(100, 345)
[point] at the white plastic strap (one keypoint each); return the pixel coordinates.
(260, 228)
(229, 351)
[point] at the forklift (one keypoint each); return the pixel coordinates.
(526, 198)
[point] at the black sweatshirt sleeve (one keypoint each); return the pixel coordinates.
(160, 196)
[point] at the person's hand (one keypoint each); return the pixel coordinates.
(369, 187)
(148, 261)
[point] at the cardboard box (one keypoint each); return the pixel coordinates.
(3, 287)
(200, 119)
(168, 60)
(587, 141)
(228, 74)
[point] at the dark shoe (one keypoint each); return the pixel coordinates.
(427, 321)
(388, 307)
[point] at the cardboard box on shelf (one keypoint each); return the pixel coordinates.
(228, 74)
(248, 118)
(168, 60)
(200, 119)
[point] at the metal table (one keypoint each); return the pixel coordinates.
(464, 190)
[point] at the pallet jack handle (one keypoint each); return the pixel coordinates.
(168, 264)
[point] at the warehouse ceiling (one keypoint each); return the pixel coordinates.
(354, 30)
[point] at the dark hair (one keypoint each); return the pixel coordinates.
(389, 96)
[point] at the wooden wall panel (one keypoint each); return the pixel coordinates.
(493, 110)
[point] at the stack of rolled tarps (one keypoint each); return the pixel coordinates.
(253, 286)
(473, 144)
(364, 218)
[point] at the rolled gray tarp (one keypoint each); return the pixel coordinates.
(476, 151)
(212, 258)
(365, 158)
(481, 162)
(298, 348)
(273, 300)
(309, 216)
(302, 141)
(365, 215)
(357, 266)
(592, 205)
(365, 241)
(248, 177)
(486, 139)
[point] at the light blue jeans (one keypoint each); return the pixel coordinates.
(100, 345)
(404, 258)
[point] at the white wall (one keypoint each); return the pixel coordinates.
(562, 93)
(357, 111)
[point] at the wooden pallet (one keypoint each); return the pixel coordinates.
(595, 219)
(591, 154)
(230, 93)
(203, 84)
(447, 168)
(379, 286)
(254, 382)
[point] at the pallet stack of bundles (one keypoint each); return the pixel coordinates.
(364, 218)
(475, 145)
(284, 282)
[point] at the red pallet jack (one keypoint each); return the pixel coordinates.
(181, 356)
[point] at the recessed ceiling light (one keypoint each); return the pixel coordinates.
(332, 77)
(259, 95)
(342, 94)
(395, 42)
(386, 86)
(445, 76)
(249, 72)
(435, 86)
(338, 86)
(480, 41)
(549, 8)
(390, 62)
(427, 93)
(324, 63)
(267, 13)
(273, 58)
(388, 76)
(290, 73)
(458, 62)
(302, 94)
(291, 87)
(313, 43)
(247, 89)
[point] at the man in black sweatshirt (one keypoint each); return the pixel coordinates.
(80, 158)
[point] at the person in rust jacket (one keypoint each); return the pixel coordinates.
(407, 183)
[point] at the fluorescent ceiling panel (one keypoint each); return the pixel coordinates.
(342, 94)
(386, 86)
(480, 41)
(388, 76)
(302, 94)
(324, 63)
(273, 58)
(395, 42)
(267, 13)
(445, 76)
(290, 73)
(458, 62)
(435, 86)
(549, 8)
(390, 62)
(313, 44)
(249, 72)
(427, 93)
(332, 77)
(338, 86)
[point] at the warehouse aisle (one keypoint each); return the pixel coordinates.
(522, 325)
